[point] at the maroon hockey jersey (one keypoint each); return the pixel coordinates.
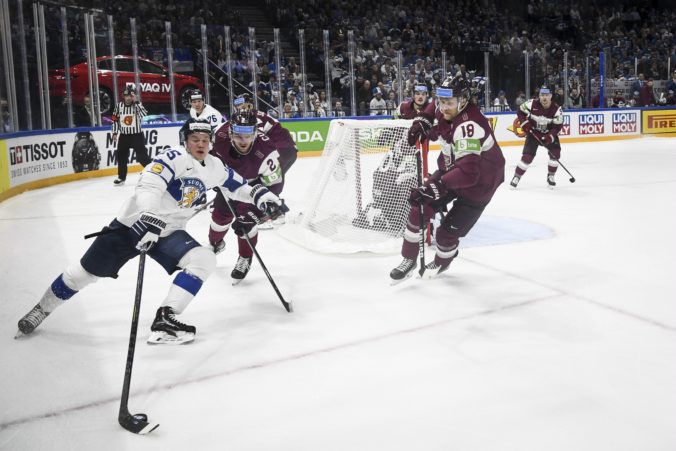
(406, 110)
(261, 163)
(544, 120)
(271, 127)
(471, 163)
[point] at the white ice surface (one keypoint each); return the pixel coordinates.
(566, 342)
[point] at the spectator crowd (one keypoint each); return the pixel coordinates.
(637, 39)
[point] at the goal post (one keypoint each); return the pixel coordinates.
(358, 198)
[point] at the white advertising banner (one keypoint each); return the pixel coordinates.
(579, 124)
(37, 157)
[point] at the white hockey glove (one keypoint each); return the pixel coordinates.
(148, 229)
(268, 202)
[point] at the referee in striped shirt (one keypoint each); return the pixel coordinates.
(127, 122)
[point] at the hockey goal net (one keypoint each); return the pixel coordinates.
(358, 199)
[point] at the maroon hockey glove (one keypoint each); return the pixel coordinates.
(420, 130)
(544, 139)
(526, 126)
(432, 190)
(245, 222)
(547, 139)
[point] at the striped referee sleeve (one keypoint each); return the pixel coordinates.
(141, 111)
(116, 118)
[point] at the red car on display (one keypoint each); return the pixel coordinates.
(153, 78)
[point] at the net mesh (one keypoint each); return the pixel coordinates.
(359, 196)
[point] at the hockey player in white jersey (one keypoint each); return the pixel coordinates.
(200, 110)
(169, 191)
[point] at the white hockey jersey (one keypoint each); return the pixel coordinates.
(175, 184)
(210, 114)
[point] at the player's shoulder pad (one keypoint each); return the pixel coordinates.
(170, 163)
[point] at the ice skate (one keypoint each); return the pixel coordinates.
(218, 246)
(515, 181)
(118, 182)
(550, 180)
(242, 268)
(432, 270)
(31, 320)
(167, 330)
(403, 271)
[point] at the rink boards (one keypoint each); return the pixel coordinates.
(30, 160)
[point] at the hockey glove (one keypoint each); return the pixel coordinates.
(419, 131)
(432, 190)
(544, 139)
(245, 222)
(268, 202)
(526, 126)
(147, 230)
(547, 139)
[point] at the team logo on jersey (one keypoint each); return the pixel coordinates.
(624, 122)
(128, 120)
(157, 168)
(591, 124)
(493, 121)
(192, 190)
(565, 129)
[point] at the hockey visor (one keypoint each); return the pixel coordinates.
(545, 91)
(244, 129)
(202, 127)
(420, 88)
(444, 92)
(239, 101)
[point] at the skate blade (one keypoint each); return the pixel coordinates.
(19, 334)
(394, 282)
(427, 275)
(163, 338)
(236, 281)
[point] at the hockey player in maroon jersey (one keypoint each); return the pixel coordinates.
(257, 158)
(470, 169)
(269, 126)
(411, 108)
(541, 120)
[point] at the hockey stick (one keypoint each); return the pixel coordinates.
(137, 423)
(571, 179)
(421, 214)
(107, 230)
(287, 305)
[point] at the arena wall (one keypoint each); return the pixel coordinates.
(30, 160)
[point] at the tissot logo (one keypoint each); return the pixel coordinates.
(29, 153)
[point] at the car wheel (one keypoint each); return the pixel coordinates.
(105, 101)
(184, 97)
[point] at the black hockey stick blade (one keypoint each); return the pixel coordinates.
(138, 423)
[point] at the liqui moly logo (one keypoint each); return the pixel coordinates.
(624, 122)
(591, 124)
(565, 130)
